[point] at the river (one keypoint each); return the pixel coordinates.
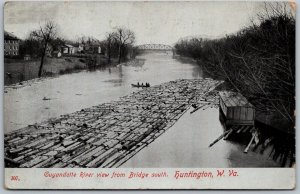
(183, 145)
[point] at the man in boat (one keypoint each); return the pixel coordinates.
(138, 84)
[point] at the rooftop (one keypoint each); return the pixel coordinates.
(232, 99)
(10, 36)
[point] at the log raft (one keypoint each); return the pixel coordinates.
(106, 135)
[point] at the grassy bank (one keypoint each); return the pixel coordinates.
(18, 70)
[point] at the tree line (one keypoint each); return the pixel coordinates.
(117, 44)
(258, 61)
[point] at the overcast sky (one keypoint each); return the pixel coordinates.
(152, 22)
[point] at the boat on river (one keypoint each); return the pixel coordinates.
(140, 85)
(137, 86)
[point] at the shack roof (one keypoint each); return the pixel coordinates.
(232, 99)
(68, 45)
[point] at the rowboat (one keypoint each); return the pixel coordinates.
(137, 86)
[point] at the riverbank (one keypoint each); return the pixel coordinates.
(273, 129)
(109, 134)
(18, 72)
(23, 74)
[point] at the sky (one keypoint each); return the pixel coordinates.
(152, 22)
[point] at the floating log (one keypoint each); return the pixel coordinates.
(252, 139)
(33, 162)
(218, 139)
(199, 107)
(228, 134)
(11, 161)
(100, 159)
(108, 134)
(45, 162)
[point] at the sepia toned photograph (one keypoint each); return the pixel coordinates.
(206, 84)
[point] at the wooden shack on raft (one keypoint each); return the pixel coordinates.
(235, 109)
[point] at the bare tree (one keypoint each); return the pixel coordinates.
(258, 61)
(44, 35)
(109, 41)
(124, 37)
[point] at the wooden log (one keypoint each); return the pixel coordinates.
(111, 159)
(100, 159)
(45, 162)
(25, 152)
(33, 162)
(14, 140)
(14, 162)
(34, 151)
(80, 150)
(72, 147)
(21, 141)
(66, 158)
(51, 163)
(87, 154)
(248, 128)
(51, 153)
(90, 140)
(228, 134)
(47, 145)
(197, 108)
(16, 150)
(59, 165)
(19, 158)
(248, 146)
(35, 143)
(218, 139)
(99, 142)
(68, 142)
(240, 129)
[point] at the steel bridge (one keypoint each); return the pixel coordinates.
(155, 47)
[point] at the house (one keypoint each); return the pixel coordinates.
(236, 109)
(68, 49)
(78, 48)
(11, 44)
(27, 57)
(56, 54)
(92, 48)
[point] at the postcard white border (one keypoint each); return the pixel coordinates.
(244, 178)
(269, 178)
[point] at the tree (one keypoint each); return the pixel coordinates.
(258, 61)
(124, 37)
(30, 47)
(57, 42)
(45, 34)
(109, 41)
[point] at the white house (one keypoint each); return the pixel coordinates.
(68, 49)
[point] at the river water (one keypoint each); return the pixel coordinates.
(183, 145)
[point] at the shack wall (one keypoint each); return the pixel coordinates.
(240, 113)
(223, 107)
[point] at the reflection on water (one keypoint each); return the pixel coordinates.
(186, 145)
(72, 92)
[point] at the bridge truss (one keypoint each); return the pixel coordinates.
(155, 47)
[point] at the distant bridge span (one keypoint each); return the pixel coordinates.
(155, 47)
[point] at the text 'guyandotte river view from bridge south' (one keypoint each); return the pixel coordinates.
(132, 85)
